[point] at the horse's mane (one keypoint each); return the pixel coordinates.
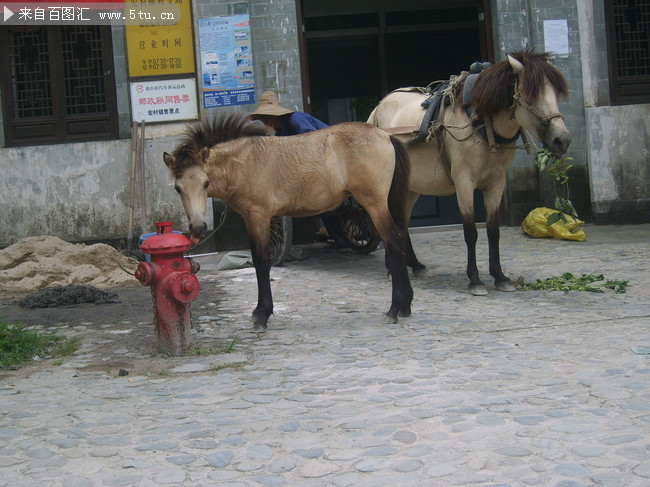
(494, 88)
(209, 132)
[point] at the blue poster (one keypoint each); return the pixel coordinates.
(226, 61)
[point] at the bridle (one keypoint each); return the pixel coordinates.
(518, 100)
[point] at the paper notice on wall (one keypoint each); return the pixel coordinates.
(556, 37)
(226, 61)
(164, 100)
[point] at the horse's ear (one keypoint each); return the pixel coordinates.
(517, 67)
(169, 160)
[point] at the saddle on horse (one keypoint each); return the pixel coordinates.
(443, 93)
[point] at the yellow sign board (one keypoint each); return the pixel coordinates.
(158, 50)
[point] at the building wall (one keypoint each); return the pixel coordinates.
(275, 44)
(82, 191)
(618, 137)
(519, 25)
(609, 181)
(619, 150)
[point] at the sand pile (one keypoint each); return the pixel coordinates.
(41, 262)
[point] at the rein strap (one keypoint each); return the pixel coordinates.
(543, 118)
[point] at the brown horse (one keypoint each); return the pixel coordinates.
(520, 92)
(232, 158)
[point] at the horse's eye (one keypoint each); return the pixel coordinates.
(206, 184)
(178, 190)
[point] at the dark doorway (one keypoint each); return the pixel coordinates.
(345, 86)
(357, 51)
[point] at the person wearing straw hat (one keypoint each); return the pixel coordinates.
(283, 120)
(286, 122)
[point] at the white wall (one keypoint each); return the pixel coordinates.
(619, 159)
(82, 191)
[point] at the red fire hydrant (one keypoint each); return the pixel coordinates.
(173, 286)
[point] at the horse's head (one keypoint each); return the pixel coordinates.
(527, 88)
(538, 88)
(191, 183)
(190, 160)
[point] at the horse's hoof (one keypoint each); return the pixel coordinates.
(389, 320)
(404, 312)
(477, 289)
(421, 272)
(505, 286)
(259, 317)
(259, 328)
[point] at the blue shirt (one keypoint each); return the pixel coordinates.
(298, 123)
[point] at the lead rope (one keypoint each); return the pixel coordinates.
(222, 220)
(438, 130)
(131, 254)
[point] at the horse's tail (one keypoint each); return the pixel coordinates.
(400, 185)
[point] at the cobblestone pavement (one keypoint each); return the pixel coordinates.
(513, 389)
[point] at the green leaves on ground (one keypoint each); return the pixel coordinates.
(18, 345)
(569, 282)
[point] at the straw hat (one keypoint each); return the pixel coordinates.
(270, 105)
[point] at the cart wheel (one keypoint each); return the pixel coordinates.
(351, 227)
(281, 237)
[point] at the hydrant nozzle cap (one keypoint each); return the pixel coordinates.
(184, 286)
(145, 273)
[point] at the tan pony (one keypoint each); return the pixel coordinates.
(260, 177)
(521, 92)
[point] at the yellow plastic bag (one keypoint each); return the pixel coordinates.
(535, 225)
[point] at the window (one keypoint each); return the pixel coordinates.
(57, 84)
(628, 29)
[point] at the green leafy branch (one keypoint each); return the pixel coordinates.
(558, 169)
(569, 282)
